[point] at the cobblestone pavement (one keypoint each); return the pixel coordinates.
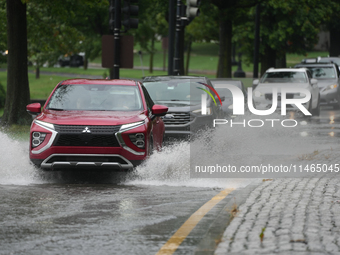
(295, 216)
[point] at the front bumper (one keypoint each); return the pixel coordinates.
(190, 129)
(81, 161)
(329, 97)
(118, 155)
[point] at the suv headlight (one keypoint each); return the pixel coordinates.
(333, 86)
(129, 126)
(37, 138)
(138, 140)
(44, 124)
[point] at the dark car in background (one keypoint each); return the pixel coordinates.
(220, 86)
(328, 78)
(75, 60)
(183, 95)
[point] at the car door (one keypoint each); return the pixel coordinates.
(314, 88)
(157, 128)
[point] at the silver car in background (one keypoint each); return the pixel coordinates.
(328, 76)
(286, 77)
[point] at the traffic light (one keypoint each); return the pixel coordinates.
(192, 8)
(129, 10)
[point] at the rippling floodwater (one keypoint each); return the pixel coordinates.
(88, 214)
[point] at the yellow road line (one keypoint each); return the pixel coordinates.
(172, 244)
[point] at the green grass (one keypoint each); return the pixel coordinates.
(17, 132)
(204, 57)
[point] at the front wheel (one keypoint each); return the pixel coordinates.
(337, 105)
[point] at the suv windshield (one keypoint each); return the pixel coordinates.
(322, 72)
(95, 98)
(175, 90)
(284, 77)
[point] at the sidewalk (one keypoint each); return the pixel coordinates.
(295, 216)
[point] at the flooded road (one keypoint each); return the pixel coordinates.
(89, 213)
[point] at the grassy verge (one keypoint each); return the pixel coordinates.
(20, 133)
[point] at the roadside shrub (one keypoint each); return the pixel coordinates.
(2, 96)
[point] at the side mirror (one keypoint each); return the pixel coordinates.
(34, 109)
(159, 110)
(314, 81)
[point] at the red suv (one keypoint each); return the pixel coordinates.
(95, 123)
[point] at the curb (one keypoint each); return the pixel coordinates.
(215, 232)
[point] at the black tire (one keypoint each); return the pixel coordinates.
(316, 111)
(337, 106)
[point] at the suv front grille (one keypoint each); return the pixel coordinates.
(179, 118)
(94, 136)
(270, 96)
(93, 129)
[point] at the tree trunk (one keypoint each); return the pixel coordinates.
(281, 60)
(18, 95)
(86, 63)
(268, 59)
(152, 54)
(224, 62)
(37, 70)
(181, 52)
(188, 56)
(334, 49)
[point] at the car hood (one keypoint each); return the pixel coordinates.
(91, 117)
(326, 82)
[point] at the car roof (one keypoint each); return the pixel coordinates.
(316, 65)
(99, 82)
(271, 70)
(171, 77)
(223, 80)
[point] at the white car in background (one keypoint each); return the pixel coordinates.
(286, 77)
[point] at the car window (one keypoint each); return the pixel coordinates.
(335, 60)
(224, 92)
(322, 72)
(175, 90)
(309, 74)
(148, 99)
(96, 98)
(284, 77)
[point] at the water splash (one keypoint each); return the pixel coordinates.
(15, 167)
(247, 146)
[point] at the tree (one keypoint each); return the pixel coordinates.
(334, 29)
(60, 12)
(152, 24)
(286, 27)
(203, 28)
(227, 13)
(3, 31)
(17, 96)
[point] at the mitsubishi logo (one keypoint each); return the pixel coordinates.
(86, 130)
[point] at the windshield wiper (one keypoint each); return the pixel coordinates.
(55, 109)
